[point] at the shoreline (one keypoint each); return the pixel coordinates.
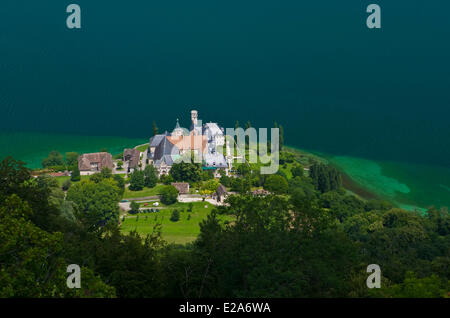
(406, 186)
(413, 187)
(347, 182)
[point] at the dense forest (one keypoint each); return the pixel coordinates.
(308, 238)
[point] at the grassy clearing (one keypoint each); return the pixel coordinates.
(142, 148)
(64, 178)
(146, 192)
(180, 232)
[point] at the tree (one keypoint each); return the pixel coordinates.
(209, 187)
(276, 184)
(244, 170)
(166, 179)
(66, 185)
(255, 257)
(134, 207)
(72, 158)
(105, 173)
(119, 165)
(413, 287)
(226, 181)
(155, 129)
(297, 171)
(120, 183)
(54, 159)
(15, 178)
(97, 203)
(175, 217)
(13, 174)
(325, 178)
(137, 180)
(186, 172)
(169, 195)
(281, 137)
(75, 176)
(150, 176)
(241, 185)
(32, 265)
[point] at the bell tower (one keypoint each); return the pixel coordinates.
(194, 117)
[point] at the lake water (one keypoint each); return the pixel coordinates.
(375, 100)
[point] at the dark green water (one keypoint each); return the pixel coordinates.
(337, 87)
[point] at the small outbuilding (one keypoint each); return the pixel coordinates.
(221, 193)
(182, 187)
(131, 156)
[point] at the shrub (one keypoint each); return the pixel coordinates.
(134, 207)
(75, 174)
(150, 176)
(169, 195)
(66, 185)
(175, 216)
(137, 180)
(118, 156)
(54, 159)
(276, 184)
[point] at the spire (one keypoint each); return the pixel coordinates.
(177, 125)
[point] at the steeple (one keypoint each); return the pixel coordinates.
(194, 117)
(178, 131)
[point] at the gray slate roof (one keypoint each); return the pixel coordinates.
(214, 160)
(155, 140)
(167, 159)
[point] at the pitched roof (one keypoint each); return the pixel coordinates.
(221, 190)
(191, 142)
(214, 160)
(212, 129)
(182, 187)
(167, 159)
(155, 140)
(134, 156)
(103, 159)
(165, 148)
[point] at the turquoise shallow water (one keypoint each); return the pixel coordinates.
(410, 186)
(33, 147)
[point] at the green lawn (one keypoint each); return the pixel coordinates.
(181, 232)
(146, 192)
(64, 178)
(142, 148)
